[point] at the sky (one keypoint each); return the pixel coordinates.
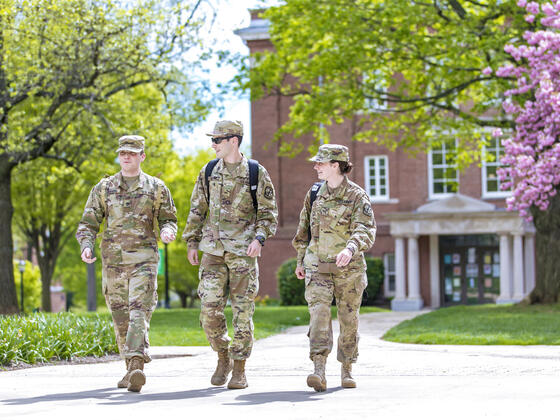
(231, 15)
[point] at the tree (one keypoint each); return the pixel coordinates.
(63, 61)
(406, 73)
(533, 153)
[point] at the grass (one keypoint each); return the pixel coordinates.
(482, 324)
(180, 327)
(46, 337)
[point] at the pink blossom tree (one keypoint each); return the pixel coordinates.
(533, 150)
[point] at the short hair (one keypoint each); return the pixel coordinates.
(239, 139)
(344, 167)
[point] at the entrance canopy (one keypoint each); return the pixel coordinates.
(457, 215)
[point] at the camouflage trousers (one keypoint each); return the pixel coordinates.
(239, 276)
(347, 288)
(131, 295)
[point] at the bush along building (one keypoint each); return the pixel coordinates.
(444, 236)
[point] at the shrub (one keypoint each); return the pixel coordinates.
(375, 275)
(290, 288)
(45, 337)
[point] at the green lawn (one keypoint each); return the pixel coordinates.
(484, 324)
(180, 327)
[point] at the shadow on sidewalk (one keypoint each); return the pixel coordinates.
(283, 396)
(115, 396)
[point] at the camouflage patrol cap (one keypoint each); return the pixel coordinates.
(328, 152)
(131, 143)
(226, 128)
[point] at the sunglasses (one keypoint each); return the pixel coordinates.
(218, 140)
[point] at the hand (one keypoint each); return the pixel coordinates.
(300, 272)
(343, 257)
(254, 249)
(87, 256)
(167, 235)
(192, 255)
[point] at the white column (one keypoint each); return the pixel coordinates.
(399, 301)
(529, 262)
(414, 300)
(505, 269)
(435, 291)
(518, 273)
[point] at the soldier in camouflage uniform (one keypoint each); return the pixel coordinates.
(131, 202)
(332, 235)
(225, 226)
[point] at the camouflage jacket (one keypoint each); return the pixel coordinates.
(229, 222)
(129, 214)
(340, 219)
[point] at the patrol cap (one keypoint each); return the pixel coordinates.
(226, 128)
(131, 143)
(328, 152)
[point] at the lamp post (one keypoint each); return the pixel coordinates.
(167, 306)
(21, 266)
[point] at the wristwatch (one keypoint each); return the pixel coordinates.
(261, 239)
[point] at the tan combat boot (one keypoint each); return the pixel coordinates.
(137, 377)
(238, 379)
(317, 380)
(225, 364)
(346, 376)
(123, 383)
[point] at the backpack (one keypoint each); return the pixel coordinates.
(253, 179)
(312, 197)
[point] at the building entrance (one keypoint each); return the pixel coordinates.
(470, 269)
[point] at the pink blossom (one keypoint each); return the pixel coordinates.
(487, 71)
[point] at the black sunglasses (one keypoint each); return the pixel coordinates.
(218, 140)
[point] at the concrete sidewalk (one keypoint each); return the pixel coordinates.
(395, 381)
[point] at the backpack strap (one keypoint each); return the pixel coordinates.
(312, 197)
(254, 181)
(207, 172)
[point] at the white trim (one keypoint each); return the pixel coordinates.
(388, 273)
(431, 194)
(377, 176)
(492, 194)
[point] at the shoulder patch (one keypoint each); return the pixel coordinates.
(367, 210)
(268, 192)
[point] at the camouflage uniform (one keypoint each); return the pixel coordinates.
(340, 218)
(223, 230)
(129, 251)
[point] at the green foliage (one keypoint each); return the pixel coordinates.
(375, 276)
(290, 288)
(46, 337)
(31, 286)
(181, 327)
(482, 324)
(408, 73)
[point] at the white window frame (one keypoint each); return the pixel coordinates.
(367, 179)
(431, 194)
(485, 164)
(387, 273)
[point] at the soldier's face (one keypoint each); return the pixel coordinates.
(130, 161)
(224, 148)
(325, 170)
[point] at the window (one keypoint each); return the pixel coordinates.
(376, 170)
(443, 173)
(389, 267)
(491, 184)
(375, 91)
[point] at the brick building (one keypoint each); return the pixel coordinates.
(444, 235)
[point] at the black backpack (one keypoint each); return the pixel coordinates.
(312, 197)
(253, 178)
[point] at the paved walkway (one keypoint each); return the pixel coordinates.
(395, 381)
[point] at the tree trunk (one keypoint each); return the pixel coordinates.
(547, 282)
(183, 298)
(8, 297)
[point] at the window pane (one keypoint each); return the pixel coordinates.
(438, 187)
(382, 163)
(436, 158)
(438, 173)
(382, 171)
(492, 186)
